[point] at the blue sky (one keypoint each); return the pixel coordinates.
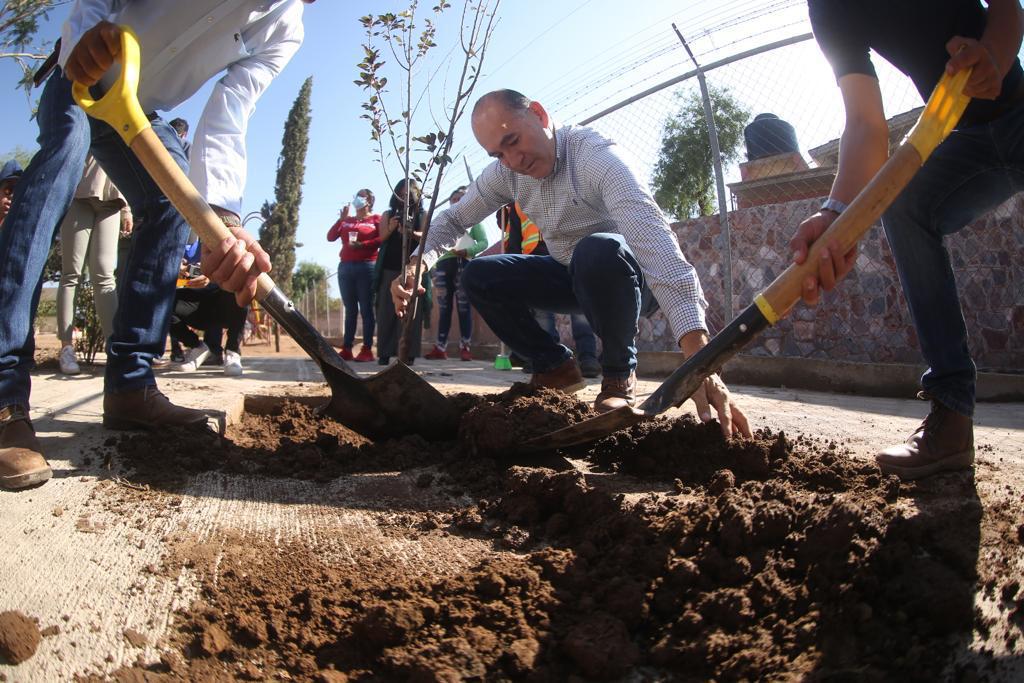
(575, 56)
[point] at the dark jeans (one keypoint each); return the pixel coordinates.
(146, 284)
(973, 171)
(389, 325)
(448, 285)
(355, 282)
(582, 334)
(209, 309)
(603, 281)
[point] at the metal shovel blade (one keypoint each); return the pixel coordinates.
(679, 386)
(392, 403)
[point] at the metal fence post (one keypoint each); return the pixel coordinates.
(716, 156)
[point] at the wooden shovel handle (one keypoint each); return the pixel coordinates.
(940, 115)
(186, 199)
(120, 108)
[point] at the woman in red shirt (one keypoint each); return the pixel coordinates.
(360, 239)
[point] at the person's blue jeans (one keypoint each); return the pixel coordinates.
(973, 171)
(41, 199)
(582, 334)
(146, 283)
(603, 281)
(448, 286)
(355, 282)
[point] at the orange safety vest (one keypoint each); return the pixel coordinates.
(528, 229)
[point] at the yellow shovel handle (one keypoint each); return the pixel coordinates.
(120, 106)
(944, 108)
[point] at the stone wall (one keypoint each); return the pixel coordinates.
(865, 318)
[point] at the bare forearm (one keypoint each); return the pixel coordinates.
(693, 341)
(863, 149)
(1003, 32)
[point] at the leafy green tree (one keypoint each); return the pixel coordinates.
(684, 175)
(309, 276)
(278, 233)
(19, 24)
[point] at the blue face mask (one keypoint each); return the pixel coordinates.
(358, 202)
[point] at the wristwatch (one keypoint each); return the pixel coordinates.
(834, 205)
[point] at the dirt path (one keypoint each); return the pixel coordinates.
(298, 549)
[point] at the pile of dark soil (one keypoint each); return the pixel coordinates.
(774, 558)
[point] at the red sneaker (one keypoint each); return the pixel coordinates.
(346, 353)
(437, 353)
(365, 355)
(464, 353)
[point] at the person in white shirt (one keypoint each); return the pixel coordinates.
(184, 45)
(608, 241)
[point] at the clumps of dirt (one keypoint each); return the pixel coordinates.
(694, 452)
(290, 441)
(501, 423)
(19, 637)
(773, 558)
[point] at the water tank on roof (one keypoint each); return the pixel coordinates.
(768, 135)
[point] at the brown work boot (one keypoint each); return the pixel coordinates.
(21, 460)
(615, 393)
(943, 442)
(565, 377)
(146, 408)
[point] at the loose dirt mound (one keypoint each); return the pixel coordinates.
(775, 558)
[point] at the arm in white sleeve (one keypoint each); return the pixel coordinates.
(671, 278)
(83, 16)
(488, 193)
(217, 160)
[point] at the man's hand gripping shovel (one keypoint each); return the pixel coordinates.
(394, 402)
(940, 115)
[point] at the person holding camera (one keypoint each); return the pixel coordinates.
(360, 239)
(398, 221)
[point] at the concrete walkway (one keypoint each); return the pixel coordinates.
(75, 559)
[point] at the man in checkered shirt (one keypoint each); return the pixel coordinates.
(609, 242)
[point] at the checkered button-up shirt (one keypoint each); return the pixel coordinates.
(592, 189)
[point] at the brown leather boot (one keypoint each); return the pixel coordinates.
(146, 408)
(565, 377)
(21, 460)
(944, 442)
(615, 393)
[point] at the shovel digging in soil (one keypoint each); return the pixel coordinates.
(940, 115)
(392, 403)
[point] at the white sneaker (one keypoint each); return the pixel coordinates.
(68, 362)
(194, 358)
(232, 363)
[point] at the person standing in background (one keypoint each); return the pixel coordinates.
(448, 285)
(94, 221)
(360, 239)
(398, 219)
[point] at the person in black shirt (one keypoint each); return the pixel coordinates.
(393, 223)
(980, 165)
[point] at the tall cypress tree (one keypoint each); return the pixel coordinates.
(278, 234)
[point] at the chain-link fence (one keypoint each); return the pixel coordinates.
(320, 307)
(778, 117)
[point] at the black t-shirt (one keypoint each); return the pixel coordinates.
(392, 259)
(912, 35)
